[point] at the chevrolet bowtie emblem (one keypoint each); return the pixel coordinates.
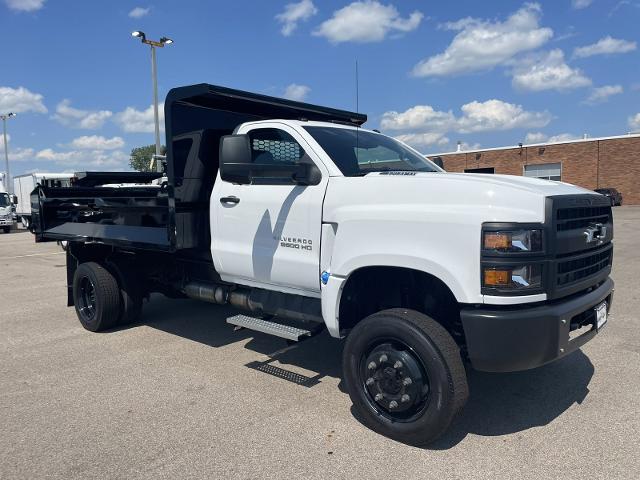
(596, 232)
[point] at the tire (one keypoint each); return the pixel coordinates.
(6, 229)
(26, 222)
(96, 297)
(428, 356)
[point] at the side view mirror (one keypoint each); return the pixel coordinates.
(236, 166)
(14, 199)
(235, 159)
(307, 174)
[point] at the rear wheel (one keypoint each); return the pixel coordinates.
(96, 297)
(404, 375)
(25, 222)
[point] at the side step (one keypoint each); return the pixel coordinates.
(271, 328)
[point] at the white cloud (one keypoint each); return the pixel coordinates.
(139, 12)
(563, 137)
(139, 121)
(484, 44)
(602, 94)
(634, 121)
(547, 71)
(422, 125)
(580, 4)
(417, 140)
(97, 142)
(294, 13)
(18, 153)
(535, 137)
(419, 117)
(21, 154)
(366, 21)
(498, 115)
(296, 92)
(112, 160)
(539, 137)
(25, 5)
(605, 46)
(20, 100)
(76, 118)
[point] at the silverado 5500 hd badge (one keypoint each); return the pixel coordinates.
(297, 243)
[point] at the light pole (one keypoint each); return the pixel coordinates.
(4, 118)
(154, 78)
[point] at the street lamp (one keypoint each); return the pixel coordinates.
(4, 118)
(154, 77)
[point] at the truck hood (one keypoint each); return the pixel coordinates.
(534, 185)
(481, 197)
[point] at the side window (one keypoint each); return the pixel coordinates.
(272, 146)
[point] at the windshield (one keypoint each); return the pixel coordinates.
(4, 200)
(357, 153)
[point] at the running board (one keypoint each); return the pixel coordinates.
(270, 328)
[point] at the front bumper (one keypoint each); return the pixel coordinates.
(8, 221)
(516, 338)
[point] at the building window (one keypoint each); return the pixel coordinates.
(546, 171)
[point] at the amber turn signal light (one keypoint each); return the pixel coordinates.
(497, 278)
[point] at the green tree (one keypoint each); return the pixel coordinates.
(140, 157)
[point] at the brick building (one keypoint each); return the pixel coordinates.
(591, 163)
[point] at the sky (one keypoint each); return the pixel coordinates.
(431, 73)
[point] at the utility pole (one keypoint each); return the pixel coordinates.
(154, 80)
(7, 177)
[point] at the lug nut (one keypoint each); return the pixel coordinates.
(405, 398)
(383, 358)
(398, 364)
(372, 366)
(393, 404)
(407, 381)
(370, 381)
(378, 397)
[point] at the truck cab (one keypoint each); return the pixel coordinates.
(309, 222)
(6, 210)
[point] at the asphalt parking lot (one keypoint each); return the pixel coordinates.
(181, 395)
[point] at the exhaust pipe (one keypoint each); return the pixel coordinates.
(257, 300)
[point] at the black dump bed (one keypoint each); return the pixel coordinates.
(126, 209)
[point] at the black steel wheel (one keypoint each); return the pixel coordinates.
(96, 297)
(395, 380)
(404, 375)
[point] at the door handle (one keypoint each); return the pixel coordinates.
(232, 199)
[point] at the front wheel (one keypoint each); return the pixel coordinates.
(6, 229)
(404, 375)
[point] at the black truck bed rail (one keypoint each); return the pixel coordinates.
(94, 210)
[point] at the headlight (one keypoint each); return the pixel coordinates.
(512, 241)
(512, 278)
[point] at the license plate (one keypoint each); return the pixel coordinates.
(601, 315)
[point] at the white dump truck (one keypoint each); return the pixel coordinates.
(309, 222)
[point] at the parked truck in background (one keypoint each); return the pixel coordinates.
(23, 185)
(6, 207)
(297, 215)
